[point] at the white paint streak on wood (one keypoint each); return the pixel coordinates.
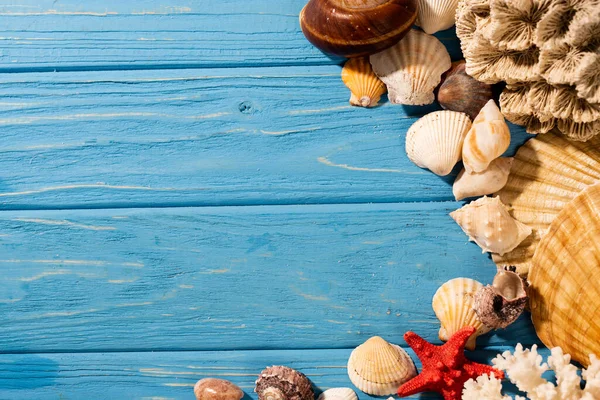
(121, 281)
(308, 296)
(179, 384)
(297, 326)
(85, 186)
(324, 160)
(332, 321)
(65, 222)
(215, 271)
(186, 286)
(94, 263)
(319, 110)
(141, 304)
(287, 132)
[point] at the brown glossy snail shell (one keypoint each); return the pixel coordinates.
(354, 28)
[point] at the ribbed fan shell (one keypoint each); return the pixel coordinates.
(453, 306)
(365, 87)
(436, 15)
(564, 279)
(338, 394)
(436, 140)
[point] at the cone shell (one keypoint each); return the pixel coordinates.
(283, 383)
(487, 182)
(487, 139)
(453, 306)
(365, 87)
(487, 222)
(436, 15)
(564, 279)
(377, 367)
(548, 172)
(338, 394)
(412, 69)
(460, 92)
(435, 141)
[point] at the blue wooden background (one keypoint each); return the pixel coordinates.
(186, 192)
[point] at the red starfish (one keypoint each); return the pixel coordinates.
(445, 368)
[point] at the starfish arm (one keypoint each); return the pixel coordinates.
(460, 338)
(474, 369)
(423, 349)
(416, 385)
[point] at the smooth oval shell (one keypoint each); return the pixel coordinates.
(487, 139)
(365, 87)
(377, 367)
(460, 92)
(435, 141)
(547, 173)
(453, 305)
(487, 182)
(564, 276)
(338, 394)
(500, 304)
(487, 222)
(283, 383)
(354, 28)
(436, 15)
(217, 389)
(412, 69)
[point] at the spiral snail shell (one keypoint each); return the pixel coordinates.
(283, 383)
(354, 28)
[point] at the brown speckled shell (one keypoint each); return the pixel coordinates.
(353, 28)
(460, 92)
(500, 304)
(283, 383)
(217, 389)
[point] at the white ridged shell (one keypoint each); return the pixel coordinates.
(453, 306)
(338, 394)
(487, 222)
(412, 69)
(435, 141)
(486, 182)
(487, 139)
(436, 15)
(378, 368)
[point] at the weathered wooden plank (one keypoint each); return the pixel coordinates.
(203, 137)
(47, 35)
(171, 375)
(220, 278)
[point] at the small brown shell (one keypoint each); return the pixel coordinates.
(354, 28)
(500, 304)
(217, 389)
(283, 383)
(365, 87)
(460, 92)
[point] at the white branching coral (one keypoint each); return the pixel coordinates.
(525, 367)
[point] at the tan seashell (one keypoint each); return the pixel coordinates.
(487, 222)
(435, 141)
(283, 383)
(514, 22)
(460, 92)
(500, 304)
(564, 279)
(365, 87)
(547, 173)
(217, 389)
(486, 182)
(487, 139)
(412, 69)
(338, 394)
(453, 306)
(377, 367)
(436, 15)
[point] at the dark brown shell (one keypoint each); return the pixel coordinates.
(460, 92)
(500, 304)
(355, 28)
(283, 383)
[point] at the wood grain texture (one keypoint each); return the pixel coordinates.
(267, 277)
(203, 137)
(50, 35)
(168, 375)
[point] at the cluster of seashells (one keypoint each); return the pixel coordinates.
(548, 53)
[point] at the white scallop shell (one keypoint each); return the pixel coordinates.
(436, 15)
(412, 68)
(453, 305)
(488, 223)
(338, 394)
(435, 141)
(378, 368)
(481, 183)
(487, 139)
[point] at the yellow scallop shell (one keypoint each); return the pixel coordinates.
(365, 87)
